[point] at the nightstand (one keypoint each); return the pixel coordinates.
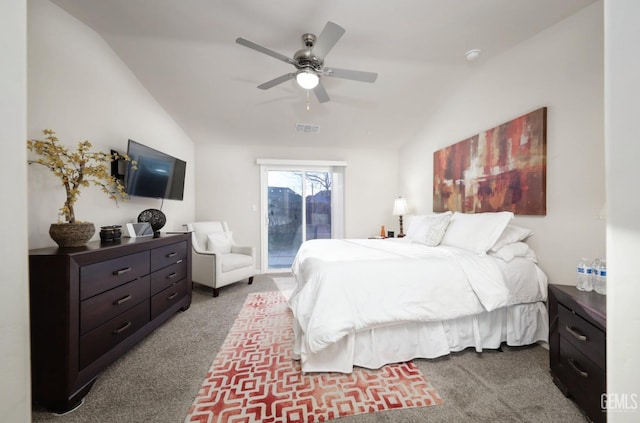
(577, 346)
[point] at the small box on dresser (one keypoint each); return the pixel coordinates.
(89, 305)
(577, 346)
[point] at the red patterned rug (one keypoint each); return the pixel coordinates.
(254, 379)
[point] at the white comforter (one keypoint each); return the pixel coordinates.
(343, 286)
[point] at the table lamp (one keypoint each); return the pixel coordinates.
(400, 209)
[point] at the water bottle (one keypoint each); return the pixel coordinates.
(584, 279)
(601, 286)
(595, 272)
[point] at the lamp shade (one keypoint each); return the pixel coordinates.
(400, 207)
(307, 80)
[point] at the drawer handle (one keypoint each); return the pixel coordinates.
(179, 261)
(172, 254)
(577, 369)
(122, 271)
(122, 329)
(576, 333)
(122, 300)
(172, 296)
(172, 275)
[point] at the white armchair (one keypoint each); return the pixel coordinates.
(217, 261)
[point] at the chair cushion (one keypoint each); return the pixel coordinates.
(233, 261)
(219, 242)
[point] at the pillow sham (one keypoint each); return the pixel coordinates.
(476, 232)
(430, 229)
(219, 242)
(413, 223)
(513, 250)
(512, 233)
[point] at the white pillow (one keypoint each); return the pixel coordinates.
(516, 249)
(430, 229)
(414, 222)
(512, 233)
(476, 232)
(219, 242)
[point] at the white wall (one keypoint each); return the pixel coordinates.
(228, 185)
(81, 89)
(562, 69)
(15, 387)
(622, 100)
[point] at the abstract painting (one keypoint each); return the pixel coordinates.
(500, 169)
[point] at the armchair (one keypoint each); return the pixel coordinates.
(217, 261)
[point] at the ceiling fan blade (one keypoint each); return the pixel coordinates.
(350, 74)
(327, 39)
(276, 81)
(321, 93)
(267, 51)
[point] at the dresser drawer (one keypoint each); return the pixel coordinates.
(106, 336)
(99, 277)
(170, 254)
(583, 335)
(103, 307)
(168, 276)
(586, 381)
(166, 298)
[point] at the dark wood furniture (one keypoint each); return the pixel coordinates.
(577, 346)
(91, 304)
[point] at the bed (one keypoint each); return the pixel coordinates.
(455, 281)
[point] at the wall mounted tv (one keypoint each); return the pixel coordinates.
(158, 175)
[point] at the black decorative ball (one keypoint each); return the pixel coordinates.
(154, 217)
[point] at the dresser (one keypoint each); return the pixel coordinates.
(577, 346)
(89, 305)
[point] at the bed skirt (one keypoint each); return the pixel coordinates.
(517, 325)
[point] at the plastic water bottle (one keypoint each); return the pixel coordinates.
(601, 285)
(584, 276)
(595, 272)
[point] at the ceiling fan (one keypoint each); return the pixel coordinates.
(309, 62)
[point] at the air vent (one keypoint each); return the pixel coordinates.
(305, 128)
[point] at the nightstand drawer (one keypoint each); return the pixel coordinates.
(583, 335)
(588, 381)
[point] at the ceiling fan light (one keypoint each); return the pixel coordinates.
(307, 80)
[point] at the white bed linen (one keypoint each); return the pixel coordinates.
(348, 288)
(516, 325)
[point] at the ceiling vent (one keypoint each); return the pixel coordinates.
(305, 128)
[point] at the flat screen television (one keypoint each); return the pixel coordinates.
(157, 174)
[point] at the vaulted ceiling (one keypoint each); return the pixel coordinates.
(184, 52)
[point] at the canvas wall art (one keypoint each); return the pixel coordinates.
(503, 168)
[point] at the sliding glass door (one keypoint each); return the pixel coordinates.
(300, 202)
(298, 209)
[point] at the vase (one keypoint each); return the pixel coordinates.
(71, 234)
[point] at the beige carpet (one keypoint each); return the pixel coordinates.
(158, 379)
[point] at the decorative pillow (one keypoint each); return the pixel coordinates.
(516, 249)
(219, 242)
(476, 232)
(512, 233)
(430, 229)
